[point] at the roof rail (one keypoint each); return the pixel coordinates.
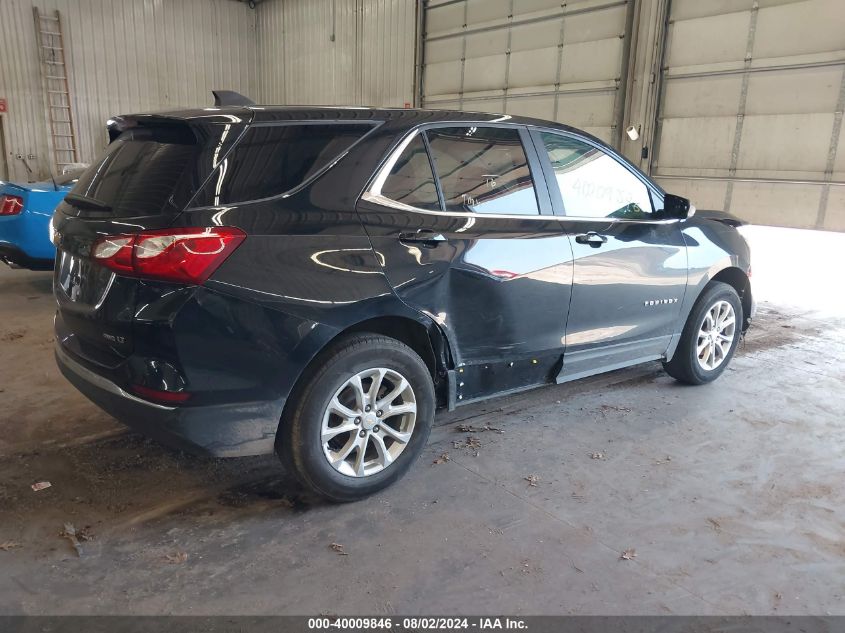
(230, 98)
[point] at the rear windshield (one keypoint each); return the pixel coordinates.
(139, 171)
(273, 159)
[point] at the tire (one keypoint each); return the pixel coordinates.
(686, 366)
(325, 402)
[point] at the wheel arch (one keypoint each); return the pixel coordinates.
(425, 338)
(738, 279)
(732, 275)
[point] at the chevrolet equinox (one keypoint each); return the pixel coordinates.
(318, 281)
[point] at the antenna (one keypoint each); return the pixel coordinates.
(230, 98)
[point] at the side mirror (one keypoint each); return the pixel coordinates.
(677, 207)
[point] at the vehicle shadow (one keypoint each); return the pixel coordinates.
(128, 480)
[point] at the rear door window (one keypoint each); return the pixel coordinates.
(483, 170)
(411, 180)
(272, 160)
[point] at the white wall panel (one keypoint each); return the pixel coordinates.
(753, 93)
(542, 58)
(25, 124)
(337, 52)
(124, 56)
(388, 39)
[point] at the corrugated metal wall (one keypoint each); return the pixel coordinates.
(545, 58)
(147, 55)
(124, 56)
(751, 115)
(337, 52)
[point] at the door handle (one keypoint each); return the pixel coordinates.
(425, 237)
(592, 238)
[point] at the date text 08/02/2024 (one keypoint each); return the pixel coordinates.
(417, 623)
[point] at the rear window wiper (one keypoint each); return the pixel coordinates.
(84, 202)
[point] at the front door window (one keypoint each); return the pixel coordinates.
(593, 184)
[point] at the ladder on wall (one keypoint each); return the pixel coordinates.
(54, 76)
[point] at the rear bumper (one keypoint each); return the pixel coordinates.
(16, 257)
(27, 236)
(220, 430)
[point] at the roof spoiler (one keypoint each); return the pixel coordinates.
(230, 98)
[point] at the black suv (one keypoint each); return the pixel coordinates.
(317, 281)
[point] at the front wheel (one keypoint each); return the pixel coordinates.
(710, 336)
(361, 419)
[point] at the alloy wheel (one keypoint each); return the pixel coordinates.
(716, 335)
(369, 422)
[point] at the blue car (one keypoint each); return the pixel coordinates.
(25, 213)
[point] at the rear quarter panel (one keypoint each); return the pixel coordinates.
(306, 272)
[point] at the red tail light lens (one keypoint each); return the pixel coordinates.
(183, 255)
(159, 395)
(10, 205)
(115, 252)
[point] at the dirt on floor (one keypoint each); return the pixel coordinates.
(622, 494)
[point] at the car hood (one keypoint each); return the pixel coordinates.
(719, 216)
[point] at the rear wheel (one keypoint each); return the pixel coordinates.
(361, 419)
(710, 336)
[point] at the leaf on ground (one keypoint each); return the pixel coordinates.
(628, 554)
(610, 407)
(40, 485)
(176, 558)
(7, 545)
(69, 532)
(716, 525)
(337, 547)
(532, 480)
(597, 455)
(442, 459)
(660, 462)
(470, 444)
(85, 534)
(469, 428)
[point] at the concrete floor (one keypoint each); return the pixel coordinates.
(730, 494)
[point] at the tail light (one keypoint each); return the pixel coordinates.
(182, 255)
(159, 395)
(10, 205)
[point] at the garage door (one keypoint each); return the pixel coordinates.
(544, 58)
(751, 113)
